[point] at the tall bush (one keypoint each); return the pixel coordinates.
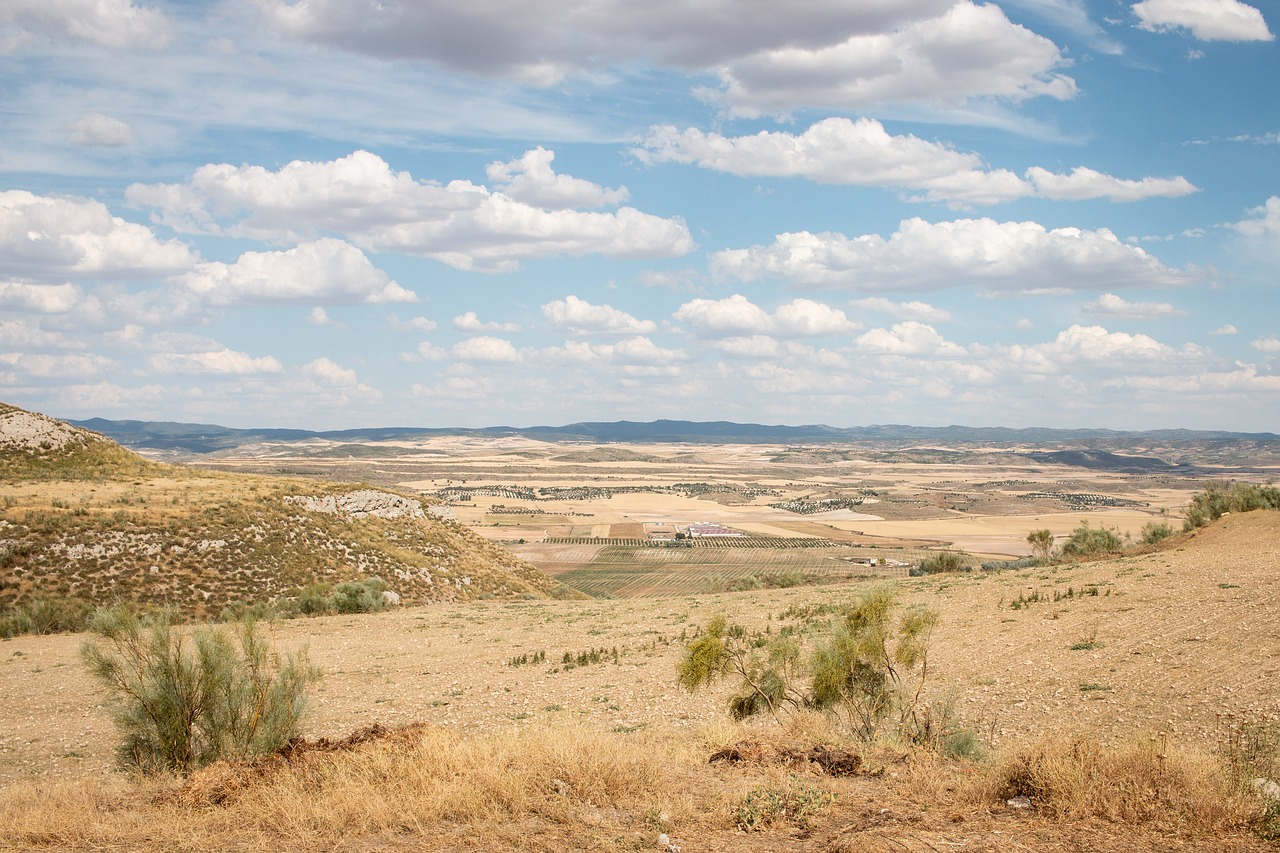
(1086, 541)
(184, 700)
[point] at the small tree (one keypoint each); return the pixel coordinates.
(1041, 542)
(766, 668)
(184, 701)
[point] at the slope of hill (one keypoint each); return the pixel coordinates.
(1178, 645)
(83, 518)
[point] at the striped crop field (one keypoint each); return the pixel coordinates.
(620, 571)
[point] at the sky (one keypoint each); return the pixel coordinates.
(332, 214)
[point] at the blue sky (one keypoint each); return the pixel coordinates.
(341, 213)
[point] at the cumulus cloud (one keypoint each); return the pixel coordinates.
(819, 54)
(41, 298)
(531, 180)
(737, 316)
(638, 350)
(320, 317)
(1208, 20)
(328, 270)
(98, 130)
(413, 324)
(486, 349)
(749, 346)
(470, 322)
(1265, 222)
(1268, 344)
(578, 316)
(61, 366)
(328, 372)
(968, 51)
(862, 152)
(46, 237)
(217, 362)
(1225, 330)
(909, 337)
(1001, 256)
(462, 224)
(113, 24)
(913, 310)
(1111, 305)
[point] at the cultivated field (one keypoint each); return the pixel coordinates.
(550, 503)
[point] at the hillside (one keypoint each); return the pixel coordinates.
(1181, 647)
(83, 518)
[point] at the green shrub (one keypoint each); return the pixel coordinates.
(1086, 541)
(1041, 542)
(1155, 531)
(182, 701)
(359, 596)
(867, 670)
(313, 600)
(1220, 498)
(946, 561)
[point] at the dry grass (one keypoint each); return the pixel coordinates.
(1143, 782)
(571, 787)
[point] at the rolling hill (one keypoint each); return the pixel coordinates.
(83, 518)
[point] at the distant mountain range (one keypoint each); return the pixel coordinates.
(209, 438)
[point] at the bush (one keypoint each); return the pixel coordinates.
(313, 600)
(1041, 542)
(359, 596)
(867, 671)
(1086, 541)
(1220, 498)
(1155, 531)
(946, 561)
(43, 615)
(182, 701)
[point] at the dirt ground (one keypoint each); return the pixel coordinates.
(1173, 640)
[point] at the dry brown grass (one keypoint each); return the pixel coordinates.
(573, 788)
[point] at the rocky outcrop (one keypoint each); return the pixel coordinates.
(361, 504)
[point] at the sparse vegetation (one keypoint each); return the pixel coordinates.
(1086, 541)
(944, 562)
(1155, 531)
(867, 669)
(1220, 498)
(1041, 542)
(182, 702)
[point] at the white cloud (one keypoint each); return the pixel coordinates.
(113, 24)
(328, 372)
(531, 180)
(486, 349)
(737, 316)
(320, 317)
(913, 310)
(817, 54)
(1111, 305)
(749, 346)
(1268, 344)
(45, 237)
(63, 366)
(328, 270)
(470, 322)
(216, 362)
(577, 316)
(413, 324)
(461, 224)
(1208, 20)
(42, 298)
(1266, 221)
(1000, 256)
(734, 316)
(1225, 330)
(908, 338)
(969, 51)
(638, 350)
(430, 352)
(862, 152)
(806, 318)
(98, 130)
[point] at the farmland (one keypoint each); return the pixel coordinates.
(593, 515)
